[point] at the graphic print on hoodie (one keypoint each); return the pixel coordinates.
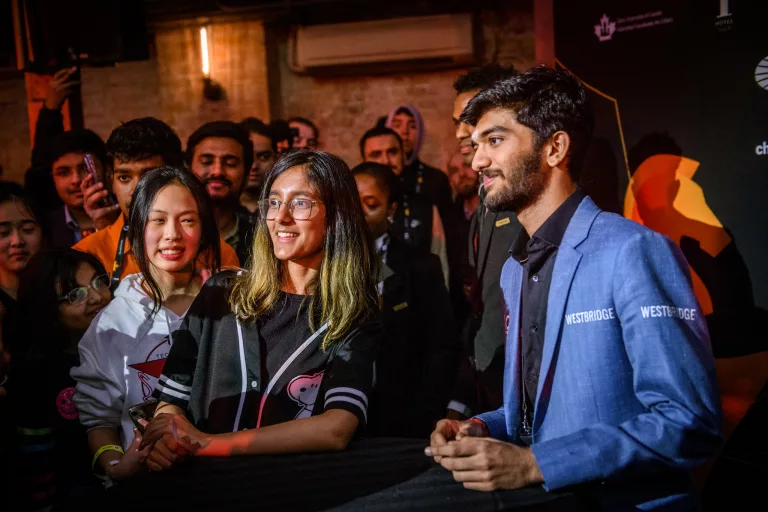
(121, 355)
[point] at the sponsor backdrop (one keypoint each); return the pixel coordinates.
(680, 92)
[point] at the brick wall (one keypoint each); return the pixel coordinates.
(344, 107)
(169, 86)
(14, 128)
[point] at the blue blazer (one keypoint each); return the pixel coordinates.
(627, 385)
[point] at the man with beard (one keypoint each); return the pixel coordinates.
(485, 249)
(610, 374)
(264, 157)
(134, 148)
(219, 153)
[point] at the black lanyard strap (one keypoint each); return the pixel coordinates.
(117, 268)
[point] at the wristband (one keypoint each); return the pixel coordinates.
(105, 448)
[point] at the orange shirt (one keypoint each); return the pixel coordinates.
(103, 245)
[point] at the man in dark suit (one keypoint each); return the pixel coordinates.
(417, 363)
(479, 387)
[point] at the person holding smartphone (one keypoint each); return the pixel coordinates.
(300, 324)
(122, 354)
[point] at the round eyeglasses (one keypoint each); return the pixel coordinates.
(79, 295)
(299, 209)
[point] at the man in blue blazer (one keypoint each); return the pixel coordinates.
(609, 374)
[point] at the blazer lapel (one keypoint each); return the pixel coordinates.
(512, 368)
(488, 222)
(566, 264)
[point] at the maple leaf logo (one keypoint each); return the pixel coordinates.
(605, 29)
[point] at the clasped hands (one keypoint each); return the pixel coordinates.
(480, 462)
(172, 437)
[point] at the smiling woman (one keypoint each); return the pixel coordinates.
(300, 324)
(170, 225)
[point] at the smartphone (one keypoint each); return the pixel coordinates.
(142, 411)
(91, 166)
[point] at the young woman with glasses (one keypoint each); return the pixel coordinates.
(279, 358)
(60, 293)
(171, 230)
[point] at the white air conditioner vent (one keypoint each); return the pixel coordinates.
(445, 39)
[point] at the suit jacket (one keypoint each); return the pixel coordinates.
(418, 359)
(480, 383)
(627, 382)
(61, 236)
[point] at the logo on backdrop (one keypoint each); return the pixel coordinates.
(761, 74)
(724, 21)
(607, 27)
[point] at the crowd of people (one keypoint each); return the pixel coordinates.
(251, 294)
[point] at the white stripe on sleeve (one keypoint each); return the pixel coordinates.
(348, 391)
(353, 401)
(172, 383)
(172, 392)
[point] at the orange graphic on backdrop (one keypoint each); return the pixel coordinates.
(663, 196)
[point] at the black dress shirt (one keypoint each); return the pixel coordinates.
(537, 255)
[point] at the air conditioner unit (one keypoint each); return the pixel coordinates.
(387, 45)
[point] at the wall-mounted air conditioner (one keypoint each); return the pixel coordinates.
(388, 45)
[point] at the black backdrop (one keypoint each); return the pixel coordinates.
(678, 78)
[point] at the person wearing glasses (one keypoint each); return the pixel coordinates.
(279, 357)
(170, 225)
(60, 292)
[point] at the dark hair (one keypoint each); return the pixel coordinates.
(281, 131)
(478, 79)
(385, 179)
(307, 122)
(78, 141)
(546, 101)
(39, 298)
(345, 289)
(144, 197)
(224, 130)
(255, 125)
(378, 131)
(12, 191)
(144, 138)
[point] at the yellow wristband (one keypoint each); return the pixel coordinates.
(105, 448)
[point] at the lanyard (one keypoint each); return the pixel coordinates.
(406, 208)
(117, 269)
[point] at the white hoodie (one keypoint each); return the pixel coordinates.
(121, 356)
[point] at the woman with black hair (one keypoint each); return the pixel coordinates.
(279, 358)
(21, 237)
(60, 293)
(123, 352)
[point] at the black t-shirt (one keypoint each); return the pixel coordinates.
(218, 371)
(54, 459)
(281, 333)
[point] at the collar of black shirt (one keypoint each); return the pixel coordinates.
(550, 234)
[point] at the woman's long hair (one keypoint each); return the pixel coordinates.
(141, 204)
(344, 293)
(47, 276)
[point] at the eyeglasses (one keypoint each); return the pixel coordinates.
(79, 295)
(299, 209)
